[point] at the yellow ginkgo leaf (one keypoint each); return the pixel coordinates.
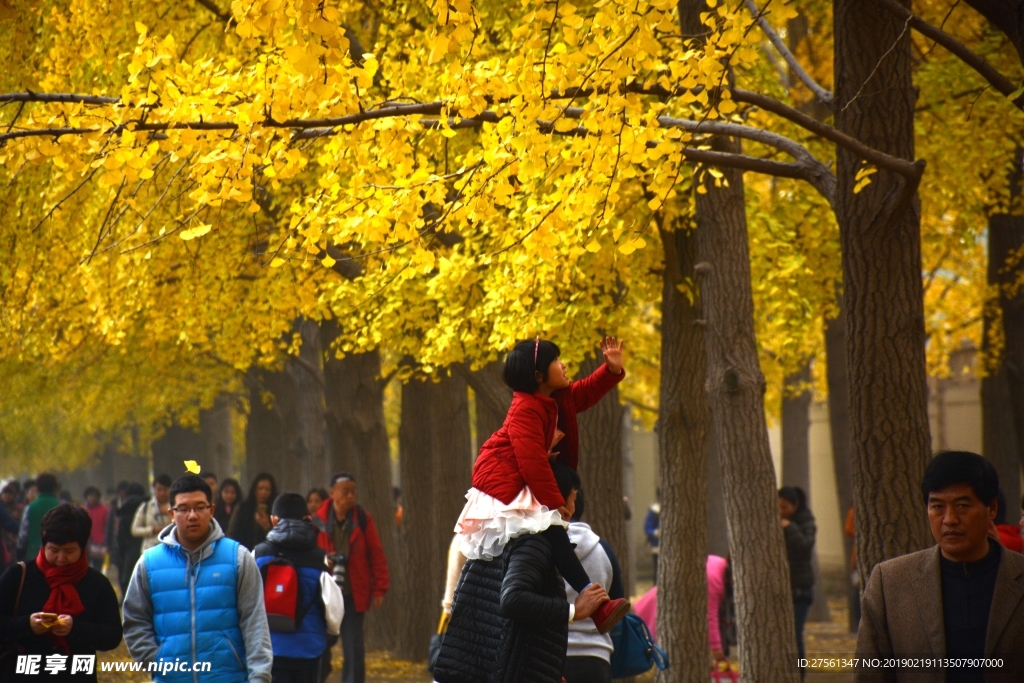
(192, 466)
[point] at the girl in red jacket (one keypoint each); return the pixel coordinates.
(514, 490)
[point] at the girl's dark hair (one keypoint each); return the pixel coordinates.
(318, 491)
(961, 467)
(581, 506)
(230, 483)
(795, 495)
(520, 364)
(66, 523)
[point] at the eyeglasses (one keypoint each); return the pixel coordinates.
(536, 350)
(186, 511)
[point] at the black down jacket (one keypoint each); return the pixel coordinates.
(799, 548)
(470, 646)
(536, 628)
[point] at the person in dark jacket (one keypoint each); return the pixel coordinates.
(510, 617)
(799, 529)
(58, 581)
(251, 520)
(229, 497)
(297, 654)
(129, 548)
(349, 536)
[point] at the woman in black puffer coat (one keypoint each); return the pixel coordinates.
(799, 529)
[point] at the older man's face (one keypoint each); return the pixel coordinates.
(960, 522)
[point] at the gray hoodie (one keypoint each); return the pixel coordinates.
(584, 640)
(140, 636)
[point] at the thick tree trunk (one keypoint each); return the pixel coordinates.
(270, 395)
(1002, 391)
(436, 463)
(839, 429)
(880, 236)
(600, 469)
(718, 528)
(358, 441)
(171, 450)
(683, 418)
(493, 397)
(796, 465)
(310, 465)
(215, 430)
(735, 385)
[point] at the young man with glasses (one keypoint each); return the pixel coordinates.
(197, 596)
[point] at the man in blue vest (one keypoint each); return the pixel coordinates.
(319, 607)
(195, 602)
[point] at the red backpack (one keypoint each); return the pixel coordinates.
(281, 595)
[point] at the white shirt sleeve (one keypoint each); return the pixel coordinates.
(334, 603)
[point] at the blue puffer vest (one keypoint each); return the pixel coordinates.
(195, 612)
(310, 640)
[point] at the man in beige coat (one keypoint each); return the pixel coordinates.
(961, 600)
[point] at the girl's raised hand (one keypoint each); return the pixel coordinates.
(612, 350)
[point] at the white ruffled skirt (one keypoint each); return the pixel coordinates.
(486, 525)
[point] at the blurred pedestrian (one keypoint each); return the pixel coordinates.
(959, 601)
(589, 653)
(799, 530)
(30, 491)
(229, 497)
(211, 480)
(349, 536)
(197, 596)
(155, 514)
(98, 512)
(29, 539)
(54, 606)
(129, 547)
(315, 498)
(110, 532)
(250, 521)
(652, 529)
(300, 622)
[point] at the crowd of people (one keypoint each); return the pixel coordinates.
(201, 570)
(260, 587)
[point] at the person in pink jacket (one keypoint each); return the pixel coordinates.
(647, 606)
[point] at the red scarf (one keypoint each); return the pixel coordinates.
(64, 598)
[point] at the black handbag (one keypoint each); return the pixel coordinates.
(435, 642)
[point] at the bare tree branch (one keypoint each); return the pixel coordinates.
(966, 55)
(823, 95)
(69, 98)
(1007, 16)
(880, 159)
(217, 11)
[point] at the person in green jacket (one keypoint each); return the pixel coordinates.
(29, 537)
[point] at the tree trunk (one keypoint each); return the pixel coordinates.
(171, 450)
(215, 430)
(735, 385)
(600, 469)
(436, 464)
(718, 529)
(683, 418)
(839, 430)
(880, 237)
(310, 466)
(493, 398)
(270, 393)
(359, 444)
(1002, 390)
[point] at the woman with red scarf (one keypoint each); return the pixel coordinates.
(55, 605)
